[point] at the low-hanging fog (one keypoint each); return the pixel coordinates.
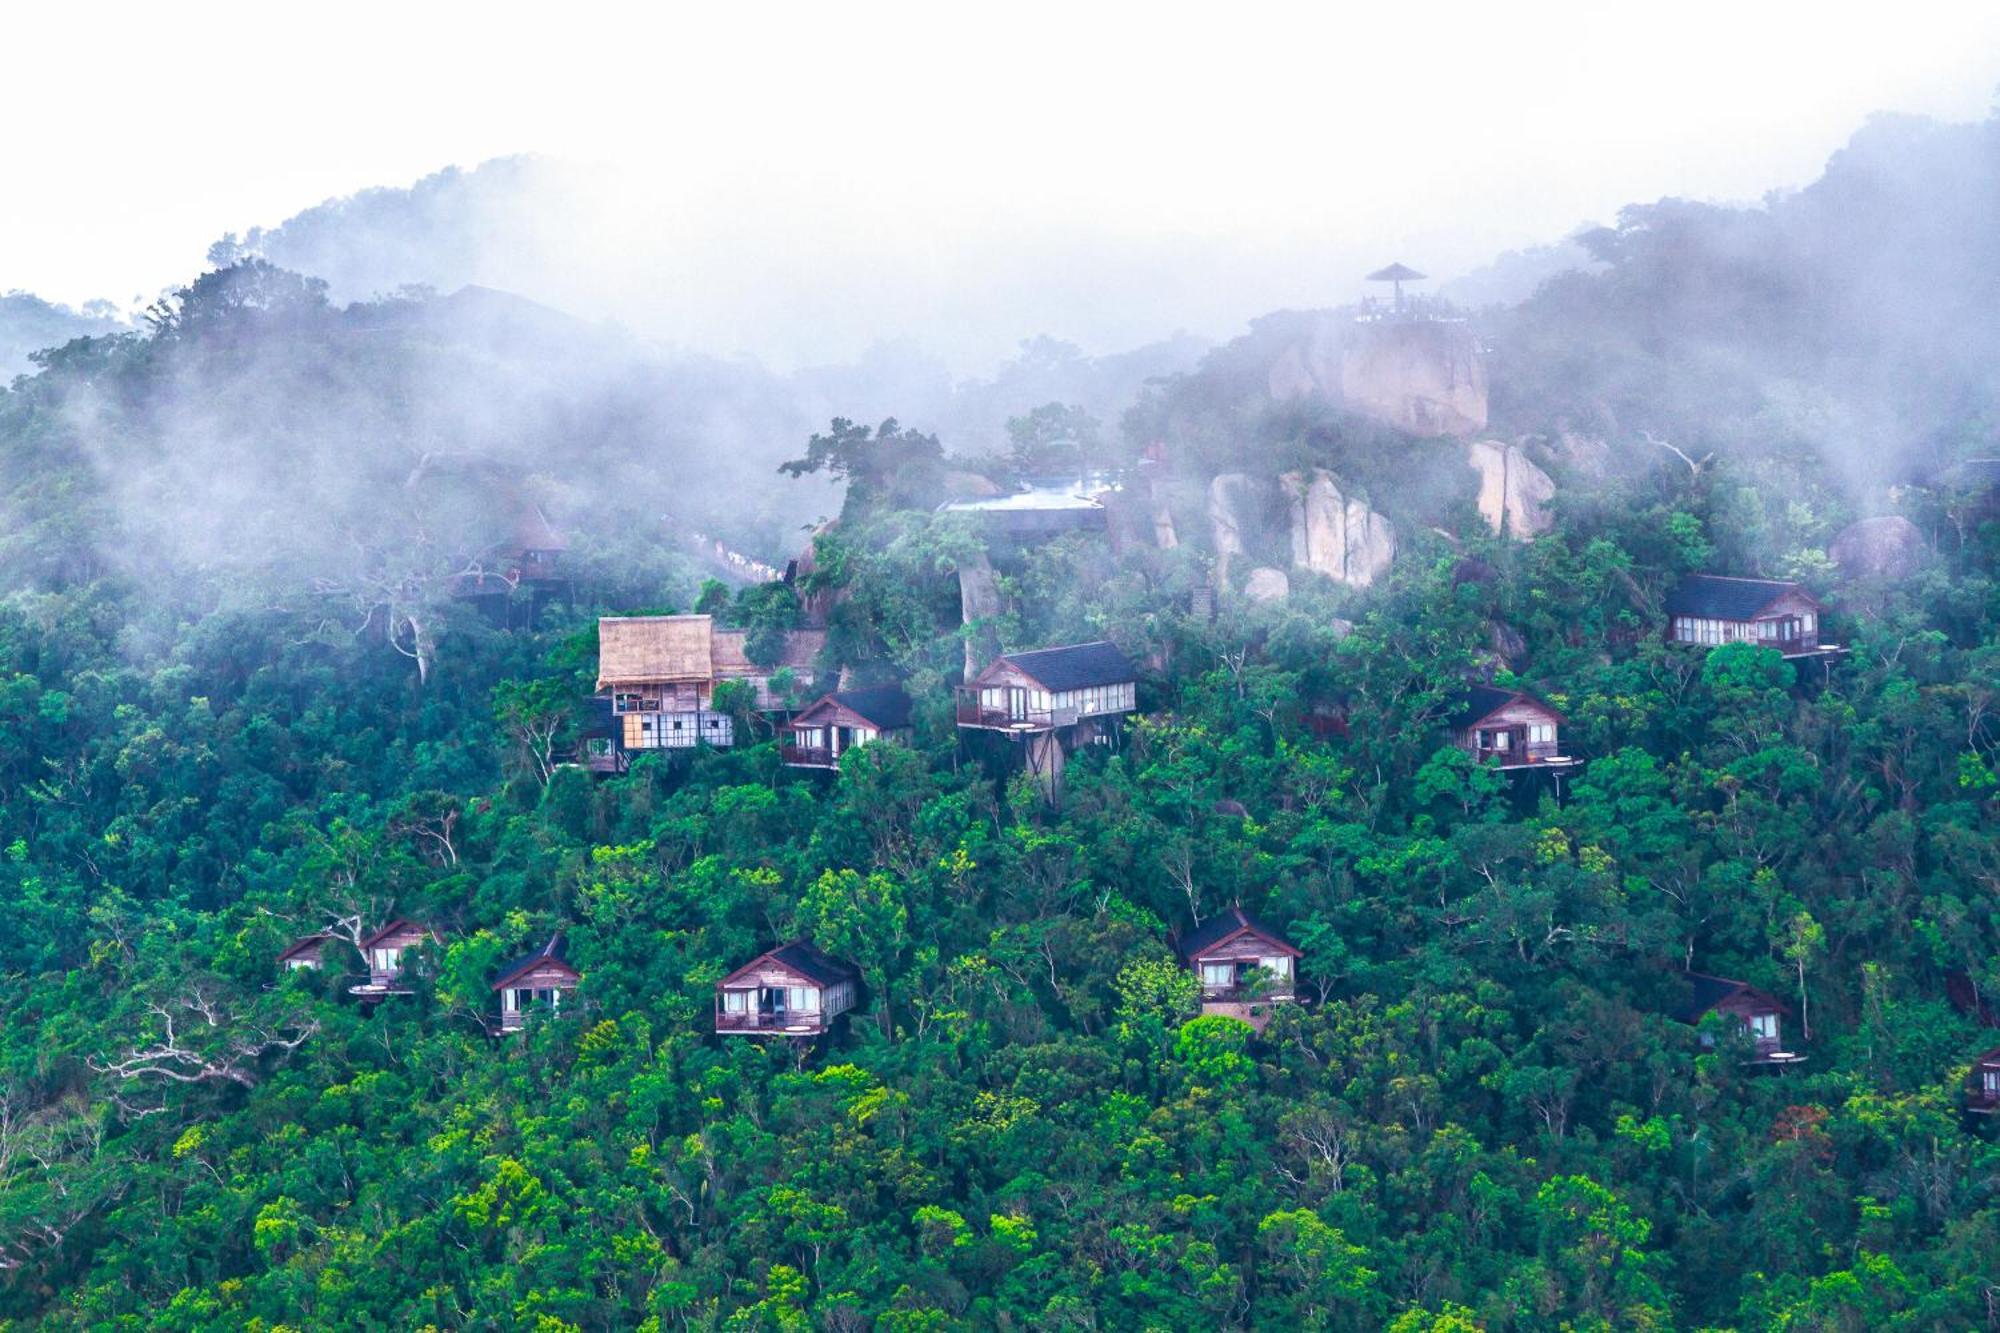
(365, 392)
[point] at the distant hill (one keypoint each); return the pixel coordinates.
(1859, 316)
(451, 229)
(28, 324)
(1515, 275)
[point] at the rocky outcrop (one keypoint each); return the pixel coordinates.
(1505, 641)
(1423, 376)
(1584, 453)
(1231, 501)
(978, 605)
(1427, 377)
(1889, 547)
(1333, 535)
(1128, 520)
(1513, 492)
(1267, 585)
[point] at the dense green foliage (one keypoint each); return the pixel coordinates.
(1480, 1117)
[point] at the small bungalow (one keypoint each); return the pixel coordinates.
(303, 952)
(1759, 1013)
(795, 990)
(1052, 700)
(1050, 688)
(538, 981)
(836, 723)
(1507, 728)
(1243, 964)
(384, 950)
(536, 549)
(660, 672)
(1982, 1089)
(1708, 610)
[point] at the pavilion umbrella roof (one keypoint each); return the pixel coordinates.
(1395, 273)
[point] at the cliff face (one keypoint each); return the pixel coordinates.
(979, 604)
(1231, 502)
(1513, 492)
(1334, 535)
(1426, 377)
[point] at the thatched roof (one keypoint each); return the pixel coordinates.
(534, 532)
(654, 649)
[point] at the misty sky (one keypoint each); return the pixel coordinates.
(1173, 167)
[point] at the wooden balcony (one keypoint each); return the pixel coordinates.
(971, 713)
(1771, 1051)
(1536, 754)
(610, 763)
(1247, 994)
(808, 756)
(513, 1020)
(760, 1023)
(1980, 1101)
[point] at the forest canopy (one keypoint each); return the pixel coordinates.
(257, 682)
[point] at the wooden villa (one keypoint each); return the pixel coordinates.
(1708, 610)
(1051, 701)
(1050, 689)
(529, 553)
(1982, 1088)
(836, 723)
(304, 952)
(1243, 964)
(660, 672)
(1759, 1013)
(795, 990)
(534, 552)
(384, 950)
(537, 982)
(1508, 729)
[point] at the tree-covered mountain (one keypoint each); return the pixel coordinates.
(1854, 318)
(257, 681)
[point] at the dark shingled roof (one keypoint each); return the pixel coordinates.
(1479, 701)
(401, 923)
(550, 952)
(1717, 598)
(304, 944)
(1221, 926)
(884, 705)
(809, 961)
(1395, 273)
(1075, 667)
(1705, 992)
